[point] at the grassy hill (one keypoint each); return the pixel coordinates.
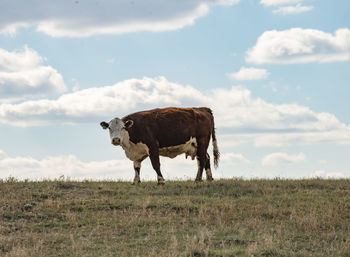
(222, 218)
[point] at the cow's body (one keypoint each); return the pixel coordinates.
(167, 132)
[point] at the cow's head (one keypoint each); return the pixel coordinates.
(117, 130)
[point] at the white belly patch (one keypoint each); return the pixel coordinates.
(190, 148)
(140, 151)
(135, 152)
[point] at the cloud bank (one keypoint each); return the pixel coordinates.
(299, 45)
(55, 166)
(22, 75)
(96, 103)
(87, 18)
(236, 112)
(70, 166)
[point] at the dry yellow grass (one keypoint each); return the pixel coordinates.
(222, 218)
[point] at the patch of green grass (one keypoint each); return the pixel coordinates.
(222, 218)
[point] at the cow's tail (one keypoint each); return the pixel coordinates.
(216, 152)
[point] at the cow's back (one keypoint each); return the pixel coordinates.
(170, 126)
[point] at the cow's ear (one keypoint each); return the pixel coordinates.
(128, 124)
(104, 125)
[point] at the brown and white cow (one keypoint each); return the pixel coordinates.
(166, 132)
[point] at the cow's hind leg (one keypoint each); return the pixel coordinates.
(137, 167)
(201, 159)
(199, 171)
(154, 156)
(207, 168)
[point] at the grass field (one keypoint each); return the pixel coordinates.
(222, 218)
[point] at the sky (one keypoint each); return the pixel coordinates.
(274, 72)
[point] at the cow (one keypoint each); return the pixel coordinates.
(167, 132)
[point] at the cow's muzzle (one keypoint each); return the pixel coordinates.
(116, 141)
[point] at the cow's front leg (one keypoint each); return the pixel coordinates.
(154, 156)
(137, 167)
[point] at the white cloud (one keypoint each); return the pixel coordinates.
(279, 2)
(249, 74)
(286, 10)
(23, 76)
(69, 166)
(86, 18)
(237, 113)
(233, 158)
(19, 60)
(299, 45)
(88, 104)
(56, 166)
(11, 29)
(277, 158)
(236, 108)
(327, 175)
(53, 167)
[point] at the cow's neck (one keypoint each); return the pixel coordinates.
(125, 139)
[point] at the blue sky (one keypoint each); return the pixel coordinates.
(275, 73)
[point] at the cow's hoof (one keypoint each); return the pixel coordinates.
(198, 180)
(135, 183)
(161, 181)
(210, 179)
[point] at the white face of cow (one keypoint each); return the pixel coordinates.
(117, 130)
